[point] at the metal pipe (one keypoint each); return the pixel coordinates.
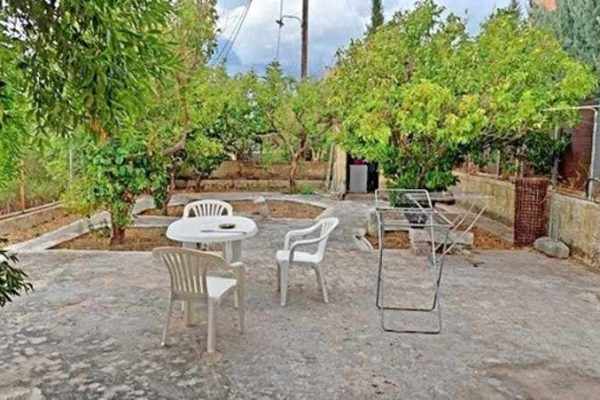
(588, 187)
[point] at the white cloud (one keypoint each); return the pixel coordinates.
(332, 24)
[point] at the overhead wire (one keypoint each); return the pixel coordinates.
(226, 49)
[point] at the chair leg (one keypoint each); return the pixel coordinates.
(322, 283)
(187, 312)
(212, 309)
(278, 278)
(283, 283)
(166, 328)
(242, 307)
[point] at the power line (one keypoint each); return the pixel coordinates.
(224, 53)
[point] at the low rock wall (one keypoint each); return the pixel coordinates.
(575, 221)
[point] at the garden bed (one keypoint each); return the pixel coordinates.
(278, 209)
(483, 240)
(25, 232)
(136, 239)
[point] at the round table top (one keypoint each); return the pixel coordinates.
(206, 229)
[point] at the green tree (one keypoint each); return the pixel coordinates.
(376, 15)
(575, 23)
(174, 118)
(230, 112)
(296, 115)
(419, 93)
(88, 66)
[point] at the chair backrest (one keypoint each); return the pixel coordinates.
(188, 269)
(327, 227)
(207, 208)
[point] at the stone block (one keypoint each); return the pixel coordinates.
(552, 248)
(263, 207)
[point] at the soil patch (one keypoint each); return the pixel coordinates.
(278, 208)
(136, 239)
(60, 218)
(391, 240)
(483, 240)
(172, 211)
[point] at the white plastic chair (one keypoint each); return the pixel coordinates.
(290, 255)
(190, 271)
(207, 208)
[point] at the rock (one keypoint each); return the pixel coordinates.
(372, 223)
(263, 207)
(551, 247)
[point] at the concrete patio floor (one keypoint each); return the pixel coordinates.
(519, 326)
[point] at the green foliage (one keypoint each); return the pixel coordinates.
(13, 281)
(296, 114)
(575, 23)
(230, 113)
(418, 93)
(13, 109)
(117, 172)
(306, 190)
(88, 63)
(540, 149)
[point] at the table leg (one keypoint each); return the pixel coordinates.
(187, 245)
(232, 251)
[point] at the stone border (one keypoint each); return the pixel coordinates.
(63, 234)
(80, 227)
(181, 199)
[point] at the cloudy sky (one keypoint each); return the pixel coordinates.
(333, 23)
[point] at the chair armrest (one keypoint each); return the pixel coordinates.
(298, 232)
(301, 243)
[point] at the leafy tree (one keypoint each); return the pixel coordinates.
(397, 96)
(418, 94)
(174, 119)
(575, 23)
(88, 67)
(116, 173)
(521, 72)
(376, 15)
(230, 112)
(296, 115)
(13, 281)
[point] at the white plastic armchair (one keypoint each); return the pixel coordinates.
(192, 279)
(292, 255)
(207, 208)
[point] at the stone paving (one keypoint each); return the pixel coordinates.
(519, 326)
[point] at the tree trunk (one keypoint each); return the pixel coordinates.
(118, 235)
(170, 190)
(294, 171)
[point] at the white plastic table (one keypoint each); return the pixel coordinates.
(191, 231)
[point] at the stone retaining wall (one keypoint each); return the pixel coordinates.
(256, 171)
(30, 219)
(576, 221)
(578, 225)
(502, 204)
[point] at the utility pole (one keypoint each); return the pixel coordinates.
(304, 22)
